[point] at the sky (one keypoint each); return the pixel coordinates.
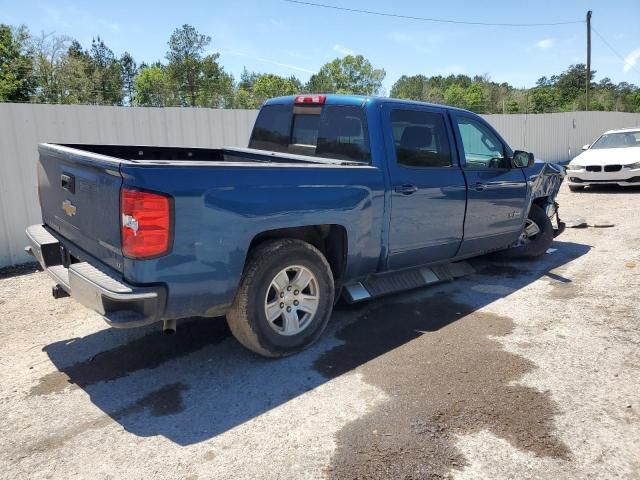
(273, 36)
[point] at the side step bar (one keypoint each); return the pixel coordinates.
(395, 282)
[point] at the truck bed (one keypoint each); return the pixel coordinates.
(164, 155)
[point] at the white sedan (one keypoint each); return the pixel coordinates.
(613, 159)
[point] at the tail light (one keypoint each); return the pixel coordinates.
(146, 223)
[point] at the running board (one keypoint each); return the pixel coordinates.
(395, 282)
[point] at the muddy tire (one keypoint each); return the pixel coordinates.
(536, 245)
(284, 300)
(575, 188)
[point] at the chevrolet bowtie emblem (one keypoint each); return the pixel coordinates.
(68, 208)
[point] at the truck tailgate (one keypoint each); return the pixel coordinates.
(80, 199)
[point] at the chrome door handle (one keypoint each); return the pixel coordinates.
(406, 189)
(479, 186)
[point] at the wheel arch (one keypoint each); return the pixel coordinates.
(330, 239)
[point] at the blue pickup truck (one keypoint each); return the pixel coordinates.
(335, 196)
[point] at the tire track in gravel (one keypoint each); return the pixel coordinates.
(446, 376)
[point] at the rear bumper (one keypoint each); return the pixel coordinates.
(99, 288)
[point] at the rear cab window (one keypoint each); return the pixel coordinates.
(326, 131)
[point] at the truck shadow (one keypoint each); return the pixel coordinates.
(200, 383)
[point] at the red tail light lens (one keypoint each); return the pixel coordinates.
(145, 224)
(309, 100)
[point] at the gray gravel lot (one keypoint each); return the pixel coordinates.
(521, 370)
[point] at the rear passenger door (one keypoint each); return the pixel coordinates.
(428, 191)
(497, 192)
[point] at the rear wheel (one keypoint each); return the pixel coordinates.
(575, 188)
(536, 237)
(285, 298)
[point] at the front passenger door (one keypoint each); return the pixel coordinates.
(497, 193)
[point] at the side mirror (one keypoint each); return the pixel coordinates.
(586, 147)
(522, 159)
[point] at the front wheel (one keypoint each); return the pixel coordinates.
(284, 300)
(536, 237)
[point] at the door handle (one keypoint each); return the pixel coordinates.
(68, 182)
(406, 189)
(479, 186)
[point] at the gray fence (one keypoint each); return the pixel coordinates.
(558, 137)
(553, 137)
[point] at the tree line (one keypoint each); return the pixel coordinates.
(57, 69)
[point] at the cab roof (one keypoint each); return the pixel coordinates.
(360, 100)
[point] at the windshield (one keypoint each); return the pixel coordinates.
(618, 140)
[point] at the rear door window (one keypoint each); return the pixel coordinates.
(331, 131)
(420, 138)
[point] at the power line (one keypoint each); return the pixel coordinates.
(428, 19)
(624, 60)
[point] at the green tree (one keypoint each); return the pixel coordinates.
(216, 86)
(105, 72)
(454, 95)
(60, 67)
(411, 88)
(16, 64)
(543, 100)
(512, 106)
(185, 55)
(129, 70)
(320, 82)
(269, 85)
(571, 84)
(474, 98)
(153, 87)
(350, 74)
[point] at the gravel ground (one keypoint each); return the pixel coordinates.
(521, 370)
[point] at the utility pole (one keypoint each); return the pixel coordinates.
(586, 107)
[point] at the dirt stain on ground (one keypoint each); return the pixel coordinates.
(445, 376)
(147, 352)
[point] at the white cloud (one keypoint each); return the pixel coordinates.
(342, 50)
(545, 43)
(631, 60)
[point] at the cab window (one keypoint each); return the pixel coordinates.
(330, 131)
(482, 148)
(420, 138)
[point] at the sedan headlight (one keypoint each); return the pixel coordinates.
(574, 166)
(634, 165)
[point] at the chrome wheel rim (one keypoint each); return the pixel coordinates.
(531, 229)
(291, 300)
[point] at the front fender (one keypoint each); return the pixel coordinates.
(544, 181)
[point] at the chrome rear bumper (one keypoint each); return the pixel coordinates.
(99, 288)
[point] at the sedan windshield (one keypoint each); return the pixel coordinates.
(618, 140)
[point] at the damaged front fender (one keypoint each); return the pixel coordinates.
(544, 180)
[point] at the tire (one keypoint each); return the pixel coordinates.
(538, 244)
(575, 188)
(269, 266)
